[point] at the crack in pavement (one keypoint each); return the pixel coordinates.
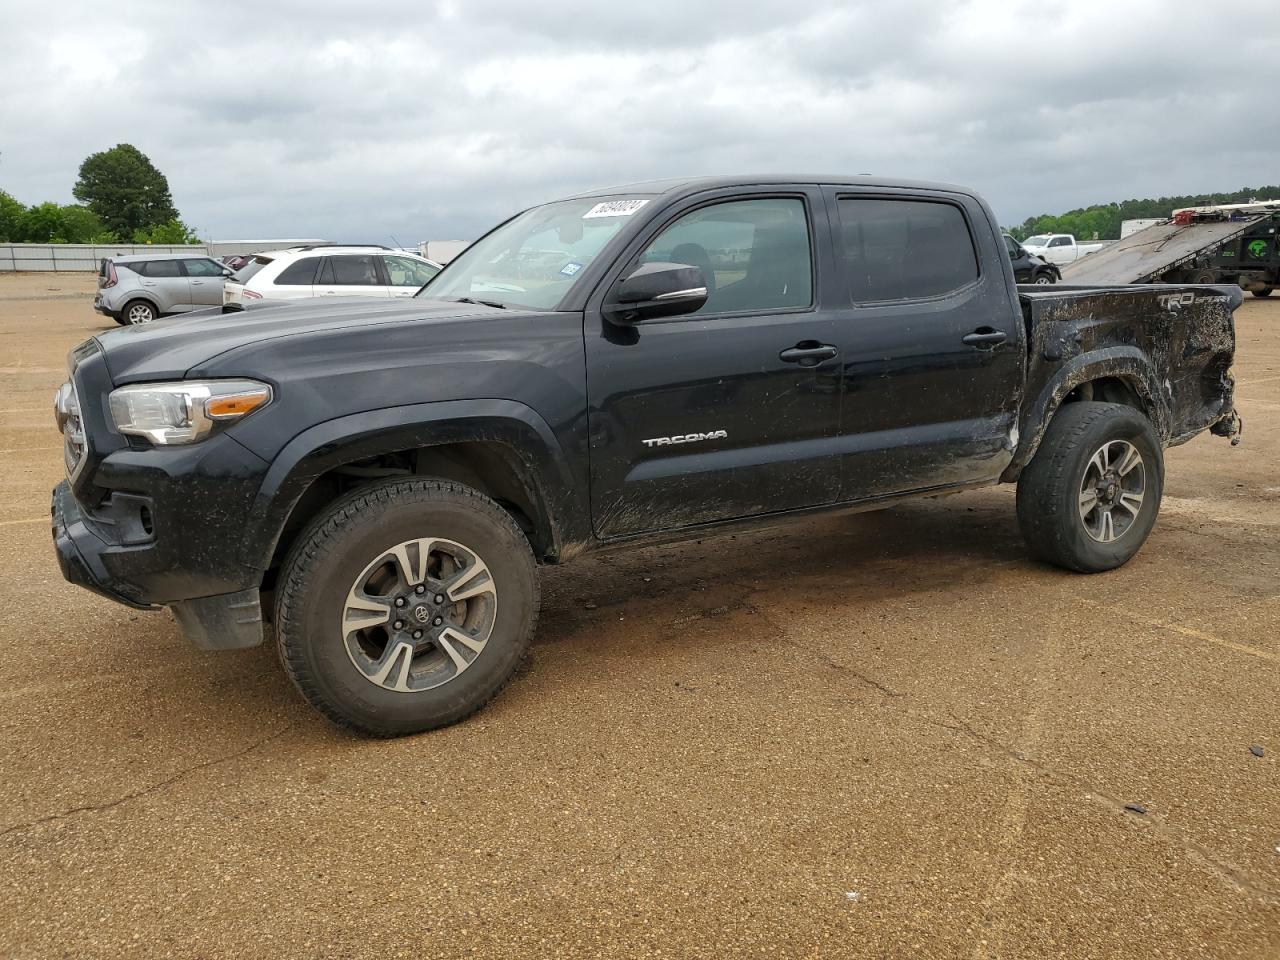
(1232, 874)
(153, 788)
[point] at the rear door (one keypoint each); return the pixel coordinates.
(731, 411)
(351, 275)
(932, 343)
(205, 280)
(166, 282)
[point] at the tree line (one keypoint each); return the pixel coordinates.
(123, 199)
(1102, 221)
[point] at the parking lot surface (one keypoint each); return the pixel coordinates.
(882, 735)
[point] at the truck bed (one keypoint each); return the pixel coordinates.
(1149, 254)
(1169, 345)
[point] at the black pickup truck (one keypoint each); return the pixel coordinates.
(658, 361)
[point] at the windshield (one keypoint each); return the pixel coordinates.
(1039, 240)
(534, 259)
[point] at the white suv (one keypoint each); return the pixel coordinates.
(328, 271)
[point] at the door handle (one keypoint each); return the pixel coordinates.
(985, 338)
(808, 353)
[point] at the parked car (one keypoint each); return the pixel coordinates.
(1027, 267)
(620, 368)
(301, 273)
(1060, 247)
(237, 261)
(137, 289)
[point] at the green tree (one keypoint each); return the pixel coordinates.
(11, 212)
(42, 224)
(125, 190)
(80, 225)
(173, 231)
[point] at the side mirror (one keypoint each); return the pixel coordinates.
(228, 272)
(654, 290)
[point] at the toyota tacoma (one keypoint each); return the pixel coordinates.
(378, 481)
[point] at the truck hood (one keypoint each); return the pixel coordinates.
(167, 348)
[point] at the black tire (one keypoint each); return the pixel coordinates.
(328, 560)
(1202, 276)
(1264, 292)
(121, 320)
(1049, 490)
(137, 312)
(1043, 278)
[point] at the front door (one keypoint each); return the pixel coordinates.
(933, 347)
(206, 281)
(731, 411)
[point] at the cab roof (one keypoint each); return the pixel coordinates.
(687, 185)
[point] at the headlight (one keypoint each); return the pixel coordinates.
(184, 412)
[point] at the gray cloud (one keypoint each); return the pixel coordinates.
(421, 120)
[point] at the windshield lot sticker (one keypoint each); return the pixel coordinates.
(570, 268)
(614, 208)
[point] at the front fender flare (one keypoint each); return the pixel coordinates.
(359, 436)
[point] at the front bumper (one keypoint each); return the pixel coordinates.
(228, 621)
(79, 550)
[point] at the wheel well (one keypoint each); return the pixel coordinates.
(491, 468)
(1107, 390)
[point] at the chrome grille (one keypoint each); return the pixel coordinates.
(66, 410)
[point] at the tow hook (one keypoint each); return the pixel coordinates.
(1229, 426)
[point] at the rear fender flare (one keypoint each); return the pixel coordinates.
(359, 436)
(1127, 364)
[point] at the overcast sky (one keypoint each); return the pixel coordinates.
(419, 120)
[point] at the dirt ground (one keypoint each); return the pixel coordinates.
(879, 735)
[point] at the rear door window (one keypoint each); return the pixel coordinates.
(904, 249)
(161, 268)
(250, 268)
(355, 270)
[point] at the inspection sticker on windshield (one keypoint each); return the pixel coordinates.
(614, 208)
(570, 268)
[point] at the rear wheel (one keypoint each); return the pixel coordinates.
(138, 311)
(1263, 292)
(406, 606)
(1090, 496)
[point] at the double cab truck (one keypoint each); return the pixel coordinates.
(375, 483)
(1060, 248)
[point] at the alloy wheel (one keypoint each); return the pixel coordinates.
(1112, 490)
(419, 614)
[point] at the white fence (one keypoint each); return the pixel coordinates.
(76, 256)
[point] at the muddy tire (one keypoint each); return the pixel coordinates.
(406, 606)
(1202, 276)
(1091, 494)
(1264, 292)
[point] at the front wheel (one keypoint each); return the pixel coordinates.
(406, 606)
(1202, 276)
(1044, 279)
(1090, 496)
(1263, 291)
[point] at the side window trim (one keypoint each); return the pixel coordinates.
(681, 212)
(837, 194)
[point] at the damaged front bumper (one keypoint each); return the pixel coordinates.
(226, 621)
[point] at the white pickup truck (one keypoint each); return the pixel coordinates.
(1060, 247)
